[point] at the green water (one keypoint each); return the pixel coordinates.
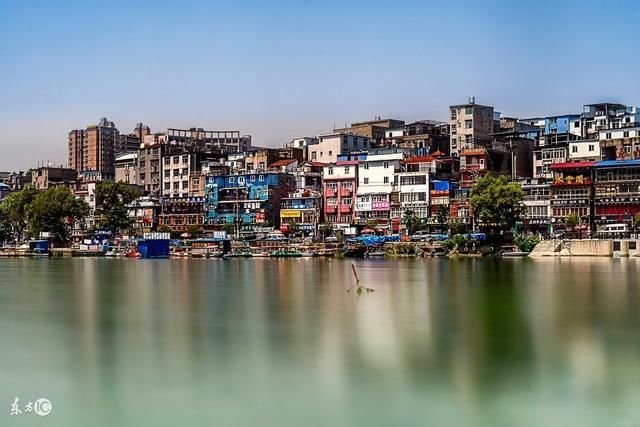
(280, 343)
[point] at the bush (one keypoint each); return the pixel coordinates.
(525, 242)
(462, 244)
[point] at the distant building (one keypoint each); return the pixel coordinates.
(617, 190)
(470, 126)
(93, 148)
(372, 129)
(126, 168)
(227, 141)
(144, 213)
(332, 145)
(304, 208)
(620, 144)
(340, 183)
(46, 177)
(246, 200)
(572, 192)
(181, 213)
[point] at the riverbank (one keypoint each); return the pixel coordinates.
(586, 248)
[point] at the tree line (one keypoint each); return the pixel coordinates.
(56, 210)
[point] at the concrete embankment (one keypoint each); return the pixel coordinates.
(586, 247)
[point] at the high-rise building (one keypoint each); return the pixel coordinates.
(92, 149)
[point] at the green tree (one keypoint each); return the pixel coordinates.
(497, 202)
(526, 243)
(5, 226)
(325, 229)
(194, 230)
(112, 199)
(56, 210)
(371, 224)
(411, 221)
(636, 221)
(16, 209)
(572, 220)
(442, 214)
(164, 228)
(293, 228)
(229, 228)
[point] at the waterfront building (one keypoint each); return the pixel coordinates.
(470, 125)
(93, 148)
(584, 150)
(126, 168)
(308, 176)
(179, 165)
(181, 213)
(537, 201)
(339, 186)
(572, 193)
(413, 187)
(144, 213)
(302, 207)
(617, 190)
(620, 144)
(440, 193)
(330, 146)
(284, 166)
(376, 174)
(602, 116)
(47, 176)
(247, 200)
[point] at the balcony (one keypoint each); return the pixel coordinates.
(345, 208)
(330, 192)
(330, 209)
(346, 192)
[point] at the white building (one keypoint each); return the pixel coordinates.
(584, 150)
(376, 176)
(413, 186)
(176, 170)
(330, 145)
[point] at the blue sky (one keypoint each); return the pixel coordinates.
(281, 69)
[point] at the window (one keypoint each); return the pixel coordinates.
(330, 153)
(185, 171)
(574, 149)
(185, 159)
(468, 124)
(386, 179)
(253, 178)
(185, 185)
(167, 173)
(176, 160)
(167, 185)
(386, 165)
(167, 161)
(366, 165)
(345, 201)
(176, 172)
(330, 170)
(468, 110)
(608, 135)
(232, 180)
(576, 124)
(366, 180)
(142, 176)
(346, 169)
(591, 147)
(260, 177)
(175, 185)
(625, 134)
(241, 180)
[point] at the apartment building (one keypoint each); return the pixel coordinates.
(339, 186)
(470, 125)
(330, 146)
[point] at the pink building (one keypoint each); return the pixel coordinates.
(339, 185)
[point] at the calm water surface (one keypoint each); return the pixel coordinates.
(280, 343)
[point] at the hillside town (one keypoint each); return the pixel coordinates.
(578, 171)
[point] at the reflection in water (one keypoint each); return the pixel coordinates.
(280, 342)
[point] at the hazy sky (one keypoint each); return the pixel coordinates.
(281, 69)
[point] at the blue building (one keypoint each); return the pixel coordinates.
(246, 200)
(560, 124)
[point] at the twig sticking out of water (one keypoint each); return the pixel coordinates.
(359, 289)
